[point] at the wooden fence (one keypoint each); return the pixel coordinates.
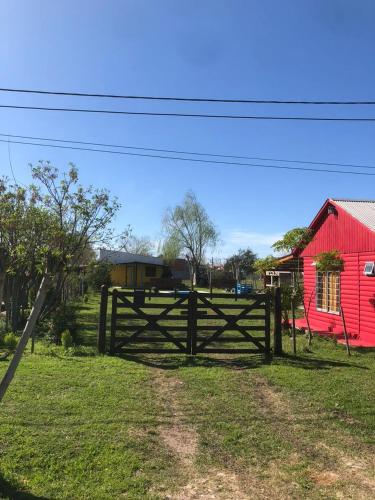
(189, 322)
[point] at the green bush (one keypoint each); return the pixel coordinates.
(10, 341)
(63, 318)
(98, 274)
(329, 261)
(66, 339)
(287, 294)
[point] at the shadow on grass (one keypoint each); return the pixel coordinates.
(307, 363)
(363, 350)
(13, 492)
(175, 362)
(182, 361)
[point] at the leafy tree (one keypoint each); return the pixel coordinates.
(295, 239)
(265, 264)
(99, 273)
(189, 231)
(78, 218)
(171, 249)
(241, 264)
(83, 216)
(26, 231)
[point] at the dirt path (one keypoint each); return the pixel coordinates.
(332, 467)
(182, 440)
(332, 471)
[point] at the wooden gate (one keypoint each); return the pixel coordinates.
(222, 323)
(187, 322)
(158, 325)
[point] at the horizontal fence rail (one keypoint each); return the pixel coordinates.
(185, 322)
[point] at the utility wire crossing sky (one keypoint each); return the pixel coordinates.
(217, 162)
(263, 109)
(185, 99)
(195, 160)
(191, 115)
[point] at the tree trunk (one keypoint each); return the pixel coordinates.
(15, 303)
(28, 330)
(2, 284)
(3, 274)
(238, 274)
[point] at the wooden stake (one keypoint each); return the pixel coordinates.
(277, 332)
(102, 327)
(294, 327)
(307, 318)
(27, 332)
(345, 332)
(113, 322)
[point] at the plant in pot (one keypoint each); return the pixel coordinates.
(329, 261)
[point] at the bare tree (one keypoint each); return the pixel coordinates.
(128, 241)
(189, 232)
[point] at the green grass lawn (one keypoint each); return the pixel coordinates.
(85, 426)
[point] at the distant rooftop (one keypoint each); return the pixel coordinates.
(117, 257)
(362, 210)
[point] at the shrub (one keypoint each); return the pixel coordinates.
(66, 339)
(288, 293)
(99, 273)
(329, 261)
(10, 341)
(63, 318)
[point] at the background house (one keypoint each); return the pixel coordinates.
(132, 270)
(179, 269)
(288, 271)
(349, 227)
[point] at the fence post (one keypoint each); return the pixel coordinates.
(113, 322)
(191, 341)
(102, 327)
(267, 325)
(277, 333)
(294, 327)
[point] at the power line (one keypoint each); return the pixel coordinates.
(190, 115)
(186, 99)
(194, 153)
(195, 160)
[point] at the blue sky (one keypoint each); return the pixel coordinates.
(301, 49)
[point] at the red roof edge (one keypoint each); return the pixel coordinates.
(297, 251)
(321, 212)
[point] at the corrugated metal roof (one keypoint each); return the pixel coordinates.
(116, 257)
(362, 210)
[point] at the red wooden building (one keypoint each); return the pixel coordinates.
(349, 227)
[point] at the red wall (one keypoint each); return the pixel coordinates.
(367, 303)
(349, 286)
(340, 232)
(356, 245)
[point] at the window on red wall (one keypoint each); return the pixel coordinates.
(328, 291)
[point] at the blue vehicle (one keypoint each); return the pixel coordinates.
(242, 289)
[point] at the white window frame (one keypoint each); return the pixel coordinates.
(326, 274)
(370, 273)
